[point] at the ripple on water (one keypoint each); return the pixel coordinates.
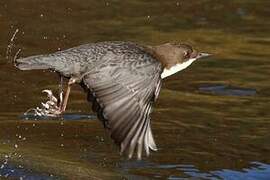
(19, 172)
(66, 117)
(256, 170)
(226, 90)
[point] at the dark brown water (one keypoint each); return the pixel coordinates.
(212, 121)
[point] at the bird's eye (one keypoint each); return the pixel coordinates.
(186, 54)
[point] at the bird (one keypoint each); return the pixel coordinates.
(122, 80)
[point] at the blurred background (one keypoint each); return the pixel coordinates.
(211, 121)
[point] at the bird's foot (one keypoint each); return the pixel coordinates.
(51, 108)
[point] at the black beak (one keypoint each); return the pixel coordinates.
(202, 55)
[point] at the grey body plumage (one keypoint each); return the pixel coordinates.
(123, 80)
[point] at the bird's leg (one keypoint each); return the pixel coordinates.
(54, 107)
(61, 92)
(64, 104)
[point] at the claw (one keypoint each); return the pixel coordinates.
(50, 95)
(49, 92)
(61, 96)
(49, 108)
(45, 105)
(51, 103)
(53, 106)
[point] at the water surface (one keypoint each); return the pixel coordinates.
(212, 121)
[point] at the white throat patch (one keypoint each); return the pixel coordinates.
(178, 67)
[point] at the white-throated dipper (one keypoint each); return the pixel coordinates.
(122, 79)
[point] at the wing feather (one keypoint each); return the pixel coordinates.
(123, 98)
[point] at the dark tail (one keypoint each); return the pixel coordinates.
(34, 62)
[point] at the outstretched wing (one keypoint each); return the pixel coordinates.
(123, 97)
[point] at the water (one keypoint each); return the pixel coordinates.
(14, 172)
(227, 91)
(211, 121)
(256, 170)
(63, 117)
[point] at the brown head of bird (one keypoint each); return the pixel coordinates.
(175, 56)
